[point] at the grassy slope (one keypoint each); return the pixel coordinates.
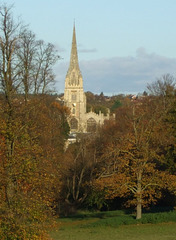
(164, 231)
(110, 226)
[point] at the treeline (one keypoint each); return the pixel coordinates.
(97, 103)
(108, 104)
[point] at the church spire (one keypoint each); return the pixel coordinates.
(74, 77)
(74, 55)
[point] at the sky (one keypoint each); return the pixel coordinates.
(123, 45)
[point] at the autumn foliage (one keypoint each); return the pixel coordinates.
(33, 129)
(30, 149)
(135, 156)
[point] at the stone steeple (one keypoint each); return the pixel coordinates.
(74, 54)
(74, 75)
(74, 96)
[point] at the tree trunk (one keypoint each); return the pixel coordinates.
(139, 209)
(139, 196)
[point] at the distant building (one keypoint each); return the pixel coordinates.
(75, 98)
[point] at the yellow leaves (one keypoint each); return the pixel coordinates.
(32, 170)
(114, 185)
(170, 182)
(132, 157)
(61, 108)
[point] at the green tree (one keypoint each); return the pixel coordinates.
(116, 105)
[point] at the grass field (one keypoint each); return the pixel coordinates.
(112, 226)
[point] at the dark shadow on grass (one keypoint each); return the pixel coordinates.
(99, 215)
(158, 209)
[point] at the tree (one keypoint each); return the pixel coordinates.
(9, 35)
(30, 177)
(77, 172)
(46, 57)
(116, 104)
(26, 51)
(164, 92)
(131, 155)
(28, 169)
(163, 89)
(35, 62)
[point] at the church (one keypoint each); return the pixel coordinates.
(74, 97)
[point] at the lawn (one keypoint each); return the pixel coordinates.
(113, 226)
(130, 232)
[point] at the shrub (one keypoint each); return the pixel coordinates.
(158, 217)
(116, 219)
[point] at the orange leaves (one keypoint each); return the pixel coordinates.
(114, 185)
(61, 108)
(134, 152)
(170, 182)
(31, 146)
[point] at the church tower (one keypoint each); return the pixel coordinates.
(74, 96)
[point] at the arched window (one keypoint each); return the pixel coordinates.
(74, 124)
(91, 125)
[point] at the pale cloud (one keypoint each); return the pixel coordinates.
(120, 74)
(59, 48)
(84, 50)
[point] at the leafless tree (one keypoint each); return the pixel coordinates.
(9, 37)
(26, 52)
(164, 89)
(46, 57)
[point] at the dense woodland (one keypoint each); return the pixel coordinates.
(130, 162)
